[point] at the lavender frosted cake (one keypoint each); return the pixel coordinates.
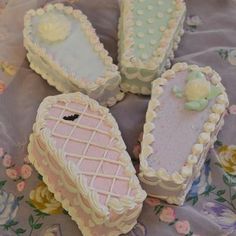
(64, 49)
(184, 115)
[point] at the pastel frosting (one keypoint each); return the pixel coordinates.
(149, 32)
(170, 162)
(61, 43)
(77, 147)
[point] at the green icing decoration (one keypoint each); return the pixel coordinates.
(195, 75)
(215, 91)
(178, 92)
(198, 105)
(151, 17)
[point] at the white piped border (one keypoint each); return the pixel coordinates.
(111, 77)
(99, 214)
(218, 109)
(169, 42)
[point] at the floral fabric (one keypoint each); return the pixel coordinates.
(26, 205)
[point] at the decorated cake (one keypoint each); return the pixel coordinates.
(184, 115)
(77, 147)
(64, 49)
(149, 32)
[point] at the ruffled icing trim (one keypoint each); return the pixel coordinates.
(153, 177)
(110, 78)
(169, 42)
(119, 206)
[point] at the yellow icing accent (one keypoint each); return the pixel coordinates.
(54, 27)
(197, 89)
(44, 200)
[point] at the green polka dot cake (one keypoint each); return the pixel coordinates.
(149, 32)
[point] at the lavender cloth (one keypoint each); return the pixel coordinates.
(210, 39)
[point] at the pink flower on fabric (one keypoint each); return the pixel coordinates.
(151, 201)
(26, 171)
(232, 110)
(7, 161)
(167, 215)
(1, 152)
(26, 160)
(12, 173)
(182, 227)
(21, 186)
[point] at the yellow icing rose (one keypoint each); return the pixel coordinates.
(197, 89)
(54, 27)
(44, 200)
(227, 158)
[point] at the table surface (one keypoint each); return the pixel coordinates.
(26, 206)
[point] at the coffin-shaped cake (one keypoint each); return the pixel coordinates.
(64, 49)
(184, 115)
(149, 32)
(77, 147)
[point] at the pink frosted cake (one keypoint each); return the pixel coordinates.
(77, 147)
(184, 115)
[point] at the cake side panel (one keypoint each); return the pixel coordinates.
(181, 179)
(104, 87)
(65, 192)
(175, 193)
(134, 69)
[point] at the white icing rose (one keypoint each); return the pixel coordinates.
(197, 89)
(54, 27)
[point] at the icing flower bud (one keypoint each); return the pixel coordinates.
(54, 27)
(197, 89)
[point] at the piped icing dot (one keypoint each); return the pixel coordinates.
(160, 2)
(138, 23)
(150, 20)
(149, 7)
(162, 28)
(40, 12)
(54, 27)
(141, 0)
(141, 46)
(169, 10)
(144, 56)
(151, 31)
(160, 15)
(153, 42)
(140, 12)
(140, 35)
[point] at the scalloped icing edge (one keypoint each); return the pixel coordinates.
(111, 78)
(214, 123)
(151, 64)
(108, 102)
(99, 216)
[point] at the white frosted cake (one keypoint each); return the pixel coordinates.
(149, 32)
(184, 115)
(64, 49)
(77, 147)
